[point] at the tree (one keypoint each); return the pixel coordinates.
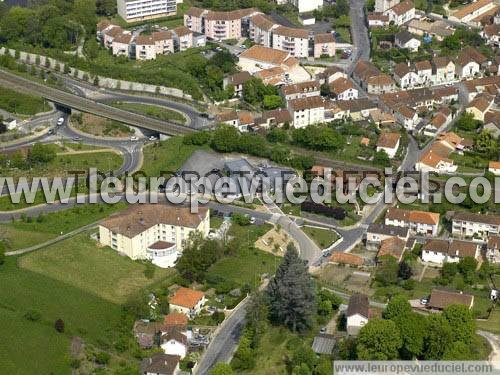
(397, 307)
(449, 270)
(486, 144)
(467, 122)
(404, 271)
(381, 158)
(291, 293)
(272, 101)
(303, 355)
(467, 267)
(461, 322)
(225, 139)
(379, 340)
(277, 135)
(439, 337)
(244, 358)
(387, 272)
(222, 369)
(413, 330)
(41, 154)
(458, 351)
(59, 325)
(105, 7)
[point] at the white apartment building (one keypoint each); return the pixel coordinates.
(307, 111)
(383, 5)
(140, 10)
(293, 41)
(443, 70)
(420, 222)
(448, 251)
(261, 27)
(156, 232)
(301, 90)
(493, 249)
(467, 224)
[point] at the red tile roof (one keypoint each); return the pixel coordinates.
(186, 297)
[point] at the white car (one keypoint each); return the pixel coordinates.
(133, 138)
(153, 138)
(60, 121)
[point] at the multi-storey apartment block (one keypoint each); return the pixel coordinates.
(466, 224)
(293, 41)
(140, 10)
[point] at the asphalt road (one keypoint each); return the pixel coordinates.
(91, 106)
(195, 120)
(359, 32)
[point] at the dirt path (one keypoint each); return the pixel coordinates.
(494, 341)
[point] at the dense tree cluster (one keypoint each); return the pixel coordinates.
(256, 92)
(53, 24)
(39, 154)
(404, 334)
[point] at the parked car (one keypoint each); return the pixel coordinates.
(133, 138)
(60, 121)
(252, 220)
(424, 300)
(77, 139)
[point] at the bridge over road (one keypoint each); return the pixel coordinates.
(89, 106)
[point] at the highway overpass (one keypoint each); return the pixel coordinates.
(89, 106)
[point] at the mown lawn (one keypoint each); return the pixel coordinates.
(25, 233)
(492, 324)
(79, 262)
(155, 111)
(20, 103)
(167, 156)
(322, 237)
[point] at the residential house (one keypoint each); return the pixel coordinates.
(376, 233)
(383, 5)
(301, 90)
(324, 45)
(401, 13)
(491, 34)
(467, 224)
(389, 142)
(277, 117)
(405, 76)
(437, 29)
(493, 249)
(142, 10)
(330, 74)
(323, 343)
(377, 19)
(357, 313)
(187, 301)
(469, 62)
(392, 246)
(419, 222)
(472, 10)
(164, 42)
(436, 160)
(291, 40)
(404, 39)
(223, 25)
(494, 167)
(161, 364)
(480, 105)
(304, 6)
(237, 81)
(10, 123)
(175, 343)
(448, 251)
(258, 58)
(346, 259)
(261, 30)
(357, 109)
(153, 231)
(145, 333)
(307, 111)
(145, 47)
(407, 117)
(242, 120)
(492, 123)
(441, 299)
(424, 72)
(440, 120)
(443, 70)
(370, 78)
(175, 321)
(343, 89)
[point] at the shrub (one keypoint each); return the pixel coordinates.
(337, 213)
(33, 315)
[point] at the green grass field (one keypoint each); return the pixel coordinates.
(168, 155)
(248, 264)
(158, 112)
(21, 234)
(79, 262)
(20, 103)
(492, 324)
(322, 237)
